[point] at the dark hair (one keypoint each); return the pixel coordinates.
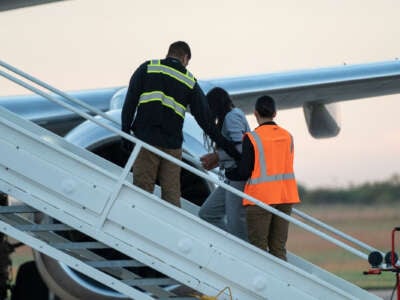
(179, 49)
(220, 104)
(265, 106)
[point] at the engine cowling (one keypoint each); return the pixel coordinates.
(322, 119)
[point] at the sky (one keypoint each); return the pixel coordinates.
(81, 44)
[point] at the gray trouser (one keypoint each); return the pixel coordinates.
(225, 210)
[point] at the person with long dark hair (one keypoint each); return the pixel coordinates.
(222, 208)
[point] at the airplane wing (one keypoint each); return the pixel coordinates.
(315, 90)
(51, 115)
(14, 4)
(323, 85)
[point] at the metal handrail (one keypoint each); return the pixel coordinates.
(56, 91)
(65, 96)
(139, 144)
(334, 230)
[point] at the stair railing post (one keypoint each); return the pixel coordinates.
(119, 183)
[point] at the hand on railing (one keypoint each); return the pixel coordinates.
(209, 161)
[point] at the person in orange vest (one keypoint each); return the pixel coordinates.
(267, 165)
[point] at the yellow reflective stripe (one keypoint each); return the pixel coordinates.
(165, 100)
(264, 177)
(156, 67)
(271, 178)
(155, 62)
(261, 153)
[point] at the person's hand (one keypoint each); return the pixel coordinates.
(209, 161)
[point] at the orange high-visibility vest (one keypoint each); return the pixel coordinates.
(272, 180)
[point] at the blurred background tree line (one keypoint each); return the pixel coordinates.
(381, 192)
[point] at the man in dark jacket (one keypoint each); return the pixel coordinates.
(159, 92)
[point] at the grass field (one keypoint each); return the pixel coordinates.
(369, 224)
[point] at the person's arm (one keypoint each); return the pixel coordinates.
(245, 165)
(235, 125)
(132, 98)
(201, 112)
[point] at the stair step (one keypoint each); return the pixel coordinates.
(115, 264)
(17, 209)
(80, 245)
(44, 227)
(149, 281)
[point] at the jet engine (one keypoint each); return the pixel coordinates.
(322, 119)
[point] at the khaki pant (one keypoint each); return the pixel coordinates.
(149, 167)
(268, 231)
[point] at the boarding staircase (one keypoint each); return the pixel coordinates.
(84, 205)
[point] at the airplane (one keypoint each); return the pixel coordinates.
(315, 90)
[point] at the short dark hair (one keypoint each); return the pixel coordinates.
(179, 49)
(265, 106)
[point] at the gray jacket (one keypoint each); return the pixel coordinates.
(234, 126)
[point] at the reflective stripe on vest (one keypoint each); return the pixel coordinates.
(165, 100)
(156, 67)
(263, 164)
